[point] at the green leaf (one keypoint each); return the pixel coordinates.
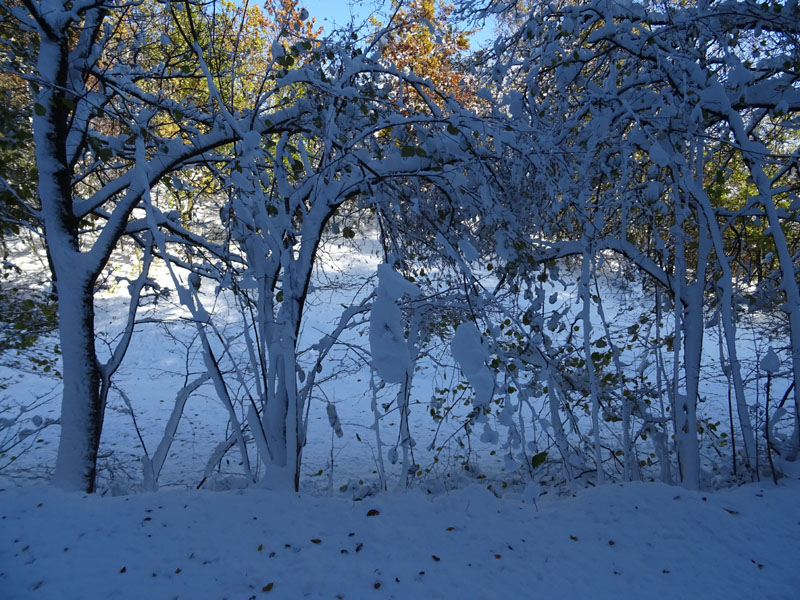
(348, 233)
(39, 109)
(408, 151)
(538, 459)
(452, 129)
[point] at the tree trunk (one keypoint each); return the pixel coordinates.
(686, 405)
(586, 317)
(82, 405)
(283, 415)
(82, 401)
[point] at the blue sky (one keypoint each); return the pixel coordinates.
(330, 14)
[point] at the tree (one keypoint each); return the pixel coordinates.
(600, 129)
(622, 106)
(345, 141)
(99, 128)
(422, 36)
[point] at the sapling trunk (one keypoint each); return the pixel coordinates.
(587, 350)
(767, 431)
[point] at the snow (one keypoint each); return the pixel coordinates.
(486, 521)
(468, 251)
(615, 541)
(390, 353)
(393, 285)
(658, 155)
(667, 542)
(770, 363)
(471, 354)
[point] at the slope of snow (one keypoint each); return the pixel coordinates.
(616, 541)
(631, 541)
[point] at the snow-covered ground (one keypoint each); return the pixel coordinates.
(616, 541)
(448, 536)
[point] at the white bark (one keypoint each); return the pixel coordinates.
(586, 318)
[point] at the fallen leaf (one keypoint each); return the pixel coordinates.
(373, 512)
(316, 541)
(268, 587)
(436, 558)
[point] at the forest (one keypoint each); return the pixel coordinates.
(484, 251)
